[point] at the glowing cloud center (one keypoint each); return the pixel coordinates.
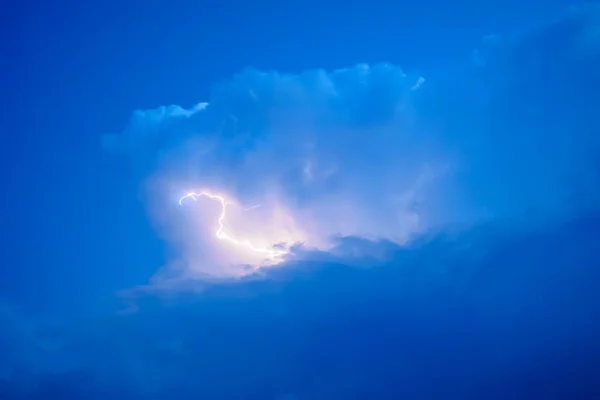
(221, 235)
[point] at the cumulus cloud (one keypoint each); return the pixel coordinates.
(324, 154)
(373, 152)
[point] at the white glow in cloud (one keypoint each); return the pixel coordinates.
(325, 154)
(270, 253)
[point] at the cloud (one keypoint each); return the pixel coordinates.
(502, 308)
(324, 154)
(483, 314)
(359, 152)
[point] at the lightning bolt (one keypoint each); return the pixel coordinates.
(221, 235)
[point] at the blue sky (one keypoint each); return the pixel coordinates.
(449, 221)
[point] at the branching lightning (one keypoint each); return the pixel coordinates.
(222, 235)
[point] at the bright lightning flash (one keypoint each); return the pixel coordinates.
(221, 235)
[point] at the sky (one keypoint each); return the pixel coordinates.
(409, 193)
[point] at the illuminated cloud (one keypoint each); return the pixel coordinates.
(324, 154)
(361, 152)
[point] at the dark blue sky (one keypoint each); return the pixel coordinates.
(514, 136)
